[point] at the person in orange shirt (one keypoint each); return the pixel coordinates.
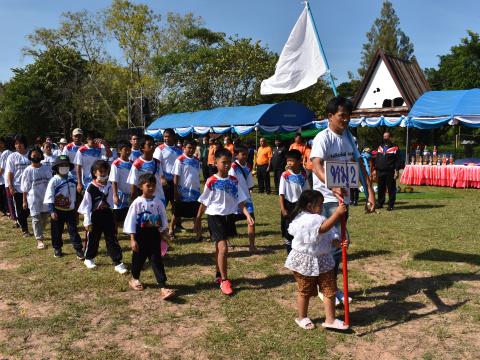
(212, 169)
(307, 163)
(298, 145)
(228, 144)
(264, 159)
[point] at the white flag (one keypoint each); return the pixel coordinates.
(300, 63)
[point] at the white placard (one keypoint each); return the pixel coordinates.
(342, 174)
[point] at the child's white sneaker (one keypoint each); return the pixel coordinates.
(337, 301)
(90, 263)
(121, 269)
(339, 296)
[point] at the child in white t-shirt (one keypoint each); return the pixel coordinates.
(34, 184)
(97, 210)
(48, 157)
(310, 258)
(95, 149)
(146, 164)
(186, 185)
(146, 222)
(220, 200)
(243, 174)
(119, 172)
(292, 183)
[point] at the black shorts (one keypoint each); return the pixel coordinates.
(168, 191)
(221, 227)
(120, 214)
(186, 209)
(240, 217)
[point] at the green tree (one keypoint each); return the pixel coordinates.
(42, 97)
(459, 69)
(385, 34)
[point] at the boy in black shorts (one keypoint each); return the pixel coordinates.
(220, 200)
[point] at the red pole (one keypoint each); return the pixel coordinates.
(343, 235)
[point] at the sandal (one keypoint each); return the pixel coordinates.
(336, 325)
(305, 323)
(135, 284)
(40, 245)
(167, 293)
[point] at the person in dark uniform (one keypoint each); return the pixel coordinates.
(278, 162)
(387, 164)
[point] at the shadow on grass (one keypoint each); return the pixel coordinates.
(448, 256)
(396, 309)
(419, 206)
(366, 253)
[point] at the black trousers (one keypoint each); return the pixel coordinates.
(277, 173)
(57, 226)
(386, 181)
(103, 222)
(3, 200)
(309, 177)
(354, 195)
(22, 214)
(285, 223)
(205, 170)
(263, 179)
(148, 240)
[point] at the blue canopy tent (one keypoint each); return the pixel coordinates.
(286, 116)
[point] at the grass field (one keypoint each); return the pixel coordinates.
(414, 276)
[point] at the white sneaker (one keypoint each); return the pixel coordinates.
(90, 263)
(121, 269)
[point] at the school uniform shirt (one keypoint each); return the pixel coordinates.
(48, 160)
(245, 182)
(142, 166)
(58, 152)
(328, 145)
(71, 151)
(86, 206)
(16, 164)
(222, 196)
(145, 213)
(34, 182)
(188, 171)
(85, 157)
(291, 185)
(134, 155)
(3, 164)
(61, 193)
(119, 172)
(167, 155)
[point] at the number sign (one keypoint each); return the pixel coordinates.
(342, 174)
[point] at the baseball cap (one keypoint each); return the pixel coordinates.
(77, 131)
(63, 141)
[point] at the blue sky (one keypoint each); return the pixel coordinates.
(432, 25)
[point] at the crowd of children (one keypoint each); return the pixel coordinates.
(130, 193)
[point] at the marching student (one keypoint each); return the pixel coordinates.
(97, 209)
(61, 146)
(146, 222)
(60, 198)
(48, 156)
(34, 183)
(7, 146)
(16, 164)
(220, 200)
(118, 177)
(292, 183)
(71, 149)
(244, 176)
(136, 150)
(311, 259)
(93, 150)
(186, 185)
(146, 164)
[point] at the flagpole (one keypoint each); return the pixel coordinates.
(330, 77)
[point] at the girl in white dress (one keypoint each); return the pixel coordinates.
(311, 260)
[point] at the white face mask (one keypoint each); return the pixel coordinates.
(102, 178)
(63, 170)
